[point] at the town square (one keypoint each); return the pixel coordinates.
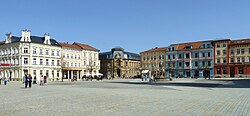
(123, 97)
(124, 58)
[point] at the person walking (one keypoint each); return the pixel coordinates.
(25, 77)
(0, 79)
(5, 80)
(29, 80)
(41, 80)
(45, 80)
(34, 81)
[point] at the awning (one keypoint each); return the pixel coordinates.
(144, 71)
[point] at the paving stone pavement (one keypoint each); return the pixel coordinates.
(129, 97)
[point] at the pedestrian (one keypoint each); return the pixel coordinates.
(29, 80)
(45, 80)
(0, 79)
(34, 81)
(25, 77)
(41, 80)
(5, 80)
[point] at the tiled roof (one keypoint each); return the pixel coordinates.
(2, 42)
(195, 45)
(85, 46)
(241, 41)
(155, 50)
(69, 45)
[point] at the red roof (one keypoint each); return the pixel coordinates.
(69, 45)
(155, 50)
(85, 46)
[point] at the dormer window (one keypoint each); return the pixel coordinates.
(188, 47)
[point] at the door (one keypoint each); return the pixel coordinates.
(231, 71)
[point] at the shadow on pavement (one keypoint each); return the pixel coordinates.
(240, 83)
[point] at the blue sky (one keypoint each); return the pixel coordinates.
(135, 25)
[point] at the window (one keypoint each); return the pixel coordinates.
(25, 50)
(25, 60)
(67, 55)
(249, 50)
(231, 60)
(41, 61)
(208, 54)
(180, 64)
(173, 56)
(155, 57)
(34, 60)
(242, 51)
(53, 73)
(71, 56)
(63, 55)
(238, 59)
(47, 61)
(218, 52)
(204, 45)
(58, 62)
(41, 72)
(218, 45)
(159, 57)
(224, 52)
(218, 60)
(47, 73)
(187, 55)
(180, 56)
(218, 70)
(94, 63)
(203, 54)
(34, 50)
(238, 51)
(208, 45)
(203, 63)
(41, 51)
(75, 64)
(232, 51)
(168, 56)
(196, 64)
(52, 53)
(57, 53)
(79, 57)
(71, 64)
(224, 45)
(196, 55)
(240, 69)
(243, 59)
(224, 71)
(47, 52)
(187, 64)
(57, 73)
(224, 60)
(52, 62)
(209, 63)
(84, 63)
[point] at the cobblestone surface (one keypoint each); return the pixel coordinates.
(128, 97)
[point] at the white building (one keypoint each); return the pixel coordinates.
(30, 54)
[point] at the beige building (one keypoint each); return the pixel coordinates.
(153, 62)
(120, 64)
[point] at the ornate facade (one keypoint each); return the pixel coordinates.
(119, 63)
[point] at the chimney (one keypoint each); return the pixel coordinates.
(26, 36)
(8, 37)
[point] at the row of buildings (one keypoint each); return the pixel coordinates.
(203, 59)
(60, 60)
(45, 56)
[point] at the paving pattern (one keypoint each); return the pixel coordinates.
(181, 97)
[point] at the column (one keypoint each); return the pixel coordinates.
(68, 75)
(71, 74)
(78, 76)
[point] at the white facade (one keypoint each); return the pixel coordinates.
(31, 55)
